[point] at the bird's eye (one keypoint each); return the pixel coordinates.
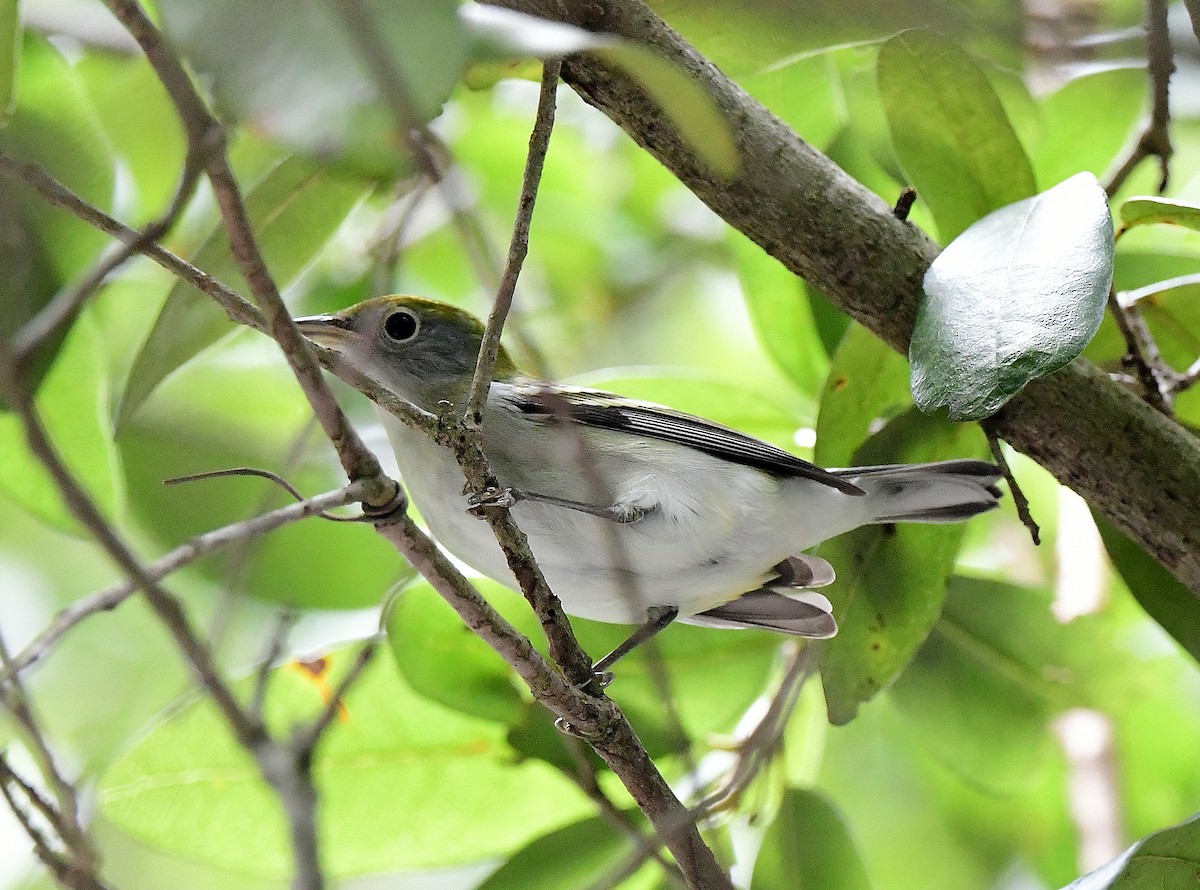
(401, 326)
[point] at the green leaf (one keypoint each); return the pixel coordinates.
(295, 208)
(446, 662)
(1071, 110)
(28, 280)
(740, 37)
(805, 91)
(403, 783)
(782, 318)
(291, 69)
(1165, 599)
(10, 56)
(714, 676)
(1166, 859)
(198, 423)
(296, 71)
(1143, 210)
(867, 384)
(891, 579)
(700, 123)
(809, 847)
(950, 130)
(153, 164)
(832, 323)
(982, 689)
(579, 855)
(1015, 297)
(55, 126)
(504, 34)
(73, 404)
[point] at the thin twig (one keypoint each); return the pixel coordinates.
(67, 822)
(198, 547)
(261, 474)
(1142, 354)
(9, 776)
(586, 779)
(764, 740)
(305, 741)
(560, 636)
(1019, 500)
(904, 203)
(598, 491)
(1188, 378)
(1137, 295)
(518, 248)
(1155, 140)
(387, 246)
(76, 873)
(55, 193)
(758, 746)
(62, 310)
(262, 677)
(206, 138)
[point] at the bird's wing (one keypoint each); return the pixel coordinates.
(612, 412)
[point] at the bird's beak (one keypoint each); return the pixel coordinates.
(329, 331)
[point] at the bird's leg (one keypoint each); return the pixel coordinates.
(657, 618)
(506, 497)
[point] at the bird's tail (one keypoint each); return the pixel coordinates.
(947, 491)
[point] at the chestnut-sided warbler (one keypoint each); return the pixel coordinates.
(635, 513)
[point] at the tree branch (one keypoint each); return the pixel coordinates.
(198, 547)
(1141, 351)
(76, 873)
(596, 718)
(535, 159)
(1137, 467)
(55, 193)
(277, 762)
(1155, 140)
(206, 139)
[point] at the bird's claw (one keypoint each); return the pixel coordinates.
(599, 681)
(490, 499)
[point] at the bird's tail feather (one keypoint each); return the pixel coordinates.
(947, 491)
(784, 603)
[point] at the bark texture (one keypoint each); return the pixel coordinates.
(1138, 468)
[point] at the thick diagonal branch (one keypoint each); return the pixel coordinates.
(1138, 468)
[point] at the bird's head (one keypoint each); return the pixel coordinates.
(420, 349)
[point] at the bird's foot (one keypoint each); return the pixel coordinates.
(599, 681)
(493, 498)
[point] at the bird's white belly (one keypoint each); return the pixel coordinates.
(719, 539)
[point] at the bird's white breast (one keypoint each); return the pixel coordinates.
(712, 529)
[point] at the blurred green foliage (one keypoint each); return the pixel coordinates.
(951, 773)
